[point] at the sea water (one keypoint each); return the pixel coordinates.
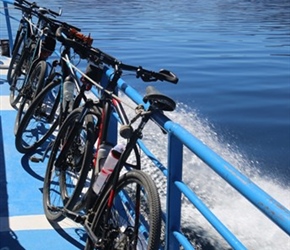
(233, 61)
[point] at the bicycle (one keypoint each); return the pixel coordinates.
(50, 107)
(23, 33)
(141, 229)
(70, 173)
(31, 69)
(30, 46)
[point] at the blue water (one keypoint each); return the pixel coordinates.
(233, 61)
(232, 58)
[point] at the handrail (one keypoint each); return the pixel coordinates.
(178, 137)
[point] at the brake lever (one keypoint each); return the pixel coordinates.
(140, 73)
(148, 78)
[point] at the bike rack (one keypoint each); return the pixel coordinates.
(178, 137)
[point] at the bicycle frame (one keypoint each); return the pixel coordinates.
(32, 37)
(66, 70)
(24, 24)
(109, 104)
(113, 179)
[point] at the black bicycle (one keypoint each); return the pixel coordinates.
(126, 213)
(25, 30)
(31, 46)
(63, 92)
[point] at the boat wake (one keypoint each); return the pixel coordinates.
(249, 225)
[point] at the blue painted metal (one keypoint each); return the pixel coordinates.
(173, 206)
(178, 137)
(153, 158)
(215, 222)
(8, 1)
(183, 240)
(8, 23)
(264, 202)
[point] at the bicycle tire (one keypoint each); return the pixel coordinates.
(18, 78)
(150, 218)
(18, 33)
(40, 120)
(79, 171)
(34, 84)
(59, 186)
(53, 202)
(16, 54)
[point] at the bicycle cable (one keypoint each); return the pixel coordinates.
(100, 87)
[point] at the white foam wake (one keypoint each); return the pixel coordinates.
(250, 226)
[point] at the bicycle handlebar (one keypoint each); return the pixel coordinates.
(144, 74)
(82, 46)
(57, 23)
(27, 9)
(32, 7)
(45, 11)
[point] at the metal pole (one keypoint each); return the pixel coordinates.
(8, 24)
(173, 202)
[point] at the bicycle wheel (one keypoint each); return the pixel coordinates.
(16, 54)
(74, 144)
(134, 222)
(40, 120)
(77, 160)
(33, 85)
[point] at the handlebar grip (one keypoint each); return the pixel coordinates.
(44, 11)
(162, 75)
(54, 13)
(168, 76)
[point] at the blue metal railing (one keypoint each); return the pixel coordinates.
(178, 137)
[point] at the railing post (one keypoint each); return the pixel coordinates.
(173, 203)
(9, 29)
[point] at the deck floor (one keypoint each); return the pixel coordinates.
(23, 224)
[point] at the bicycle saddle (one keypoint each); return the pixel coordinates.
(158, 100)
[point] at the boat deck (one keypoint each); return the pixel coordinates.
(23, 224)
